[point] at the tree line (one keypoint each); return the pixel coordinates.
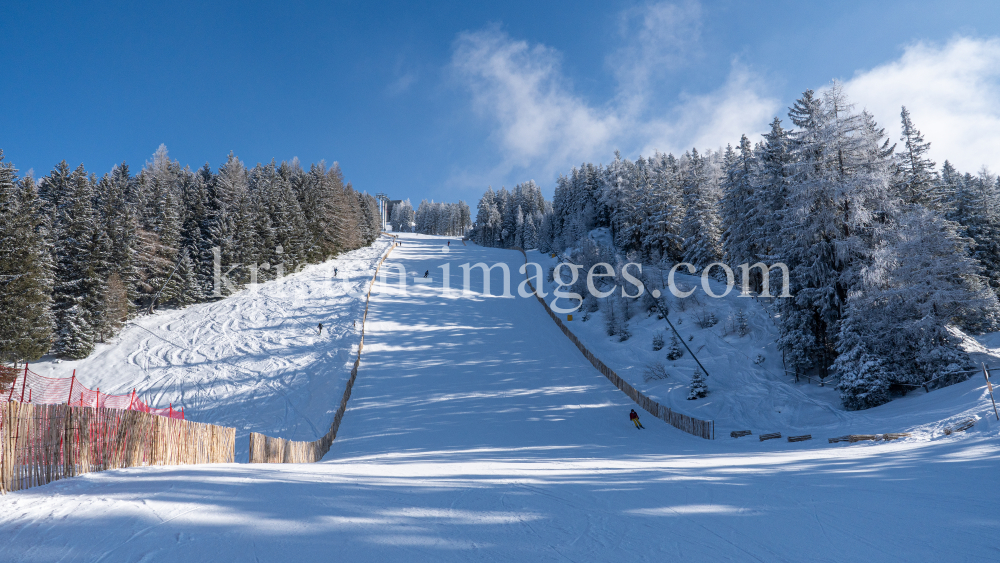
(514, 218)
(80, 254)
(887, 251)
(431, 218)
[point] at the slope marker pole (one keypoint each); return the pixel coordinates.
(989, 385)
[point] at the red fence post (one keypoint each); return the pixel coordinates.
(25, 381)
(69, 400)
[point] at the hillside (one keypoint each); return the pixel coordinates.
(253, 361)
(477, 431)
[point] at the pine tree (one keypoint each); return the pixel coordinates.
(658, 341)
(918, 183)
(701, 226)
(116, 305)
(699, 387)
(660, 196)
(190, 289)
(77, 285)
(772, 190)
(25, 271)
(739, 210)
(519, 228)
(119, 232)
(160, 195)
(839, 204)
(530, 235)
(620, 196)
(742, 323)
(895, 330)
(976, 207)
(675, 351)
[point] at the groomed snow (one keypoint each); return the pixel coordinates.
(254, 361)
(478, 432)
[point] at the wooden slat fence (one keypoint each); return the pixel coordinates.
(40, 444)
(701, 428)
(267, 449)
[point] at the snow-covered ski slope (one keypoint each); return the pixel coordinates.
(254, 361)
(476, 431)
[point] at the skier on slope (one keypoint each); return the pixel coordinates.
(427, 273)
(321, 328)
(635, 420)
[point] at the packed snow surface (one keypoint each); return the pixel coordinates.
(477, 431)
(255, 361)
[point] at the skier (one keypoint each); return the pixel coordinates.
(335, 272)
(449, 243)
(635, 420)
(427, 273)
(320, 328)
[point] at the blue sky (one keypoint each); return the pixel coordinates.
(440, 99)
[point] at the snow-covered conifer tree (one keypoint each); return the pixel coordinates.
(25, 270)
(699, 387)
(918, 182)
(77, 284)
(701, 226)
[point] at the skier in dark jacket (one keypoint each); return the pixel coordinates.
(427, 273)
(635, 420)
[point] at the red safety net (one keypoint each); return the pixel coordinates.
(29, 387)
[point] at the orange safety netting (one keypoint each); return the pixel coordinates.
(29, 387)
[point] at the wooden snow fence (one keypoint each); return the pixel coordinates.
(701, 428)
(267, 449)
(853, 438)
(40, 444)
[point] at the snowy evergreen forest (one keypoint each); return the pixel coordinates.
(888, 253)
(431, 218)
(508, 219)
(401, 217)
(80, 254)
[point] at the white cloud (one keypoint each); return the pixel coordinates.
(952, 92)
(655, 38)
(542, 128)
(713, 120)
(540, 122)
